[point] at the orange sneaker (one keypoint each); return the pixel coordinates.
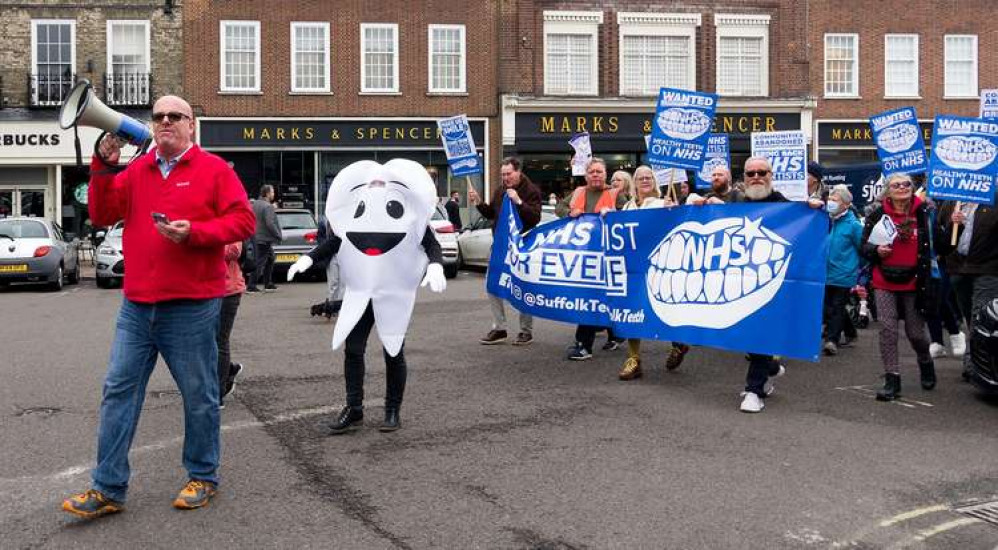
(91, 504)
(195, 494)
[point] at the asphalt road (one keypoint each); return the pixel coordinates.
(501, 447)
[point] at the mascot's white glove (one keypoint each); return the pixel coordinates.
(301, 266)
(435, 278)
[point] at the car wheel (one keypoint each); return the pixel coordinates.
(56, 284)
(103, 282)
(450, 271)
(74, 277)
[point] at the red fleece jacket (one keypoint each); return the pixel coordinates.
(202, 189)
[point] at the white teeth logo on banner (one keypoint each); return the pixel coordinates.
(968, 153)
(899, 138)
(685, 124)
(715, 275)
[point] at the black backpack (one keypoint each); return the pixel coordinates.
(247, 258)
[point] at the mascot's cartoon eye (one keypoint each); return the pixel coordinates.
(360, 210)
(395, 209)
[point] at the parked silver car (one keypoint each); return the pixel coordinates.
(447, 237)
(300, 234)
(110, 259)
(475, 240)
(34, 250)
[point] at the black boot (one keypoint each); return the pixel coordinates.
(348, 420)
(928, 371)
(892, 388)
(392, 421)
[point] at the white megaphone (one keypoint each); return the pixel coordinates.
(83, 108)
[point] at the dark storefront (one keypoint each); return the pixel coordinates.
(850, 142)
(541, 140)
(300, 157)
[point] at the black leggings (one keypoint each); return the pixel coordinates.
(226, 318)
(353, 366)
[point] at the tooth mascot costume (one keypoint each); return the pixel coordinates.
(380, 218)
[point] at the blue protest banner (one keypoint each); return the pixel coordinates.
(743, 277)
(681, 128)
(718, 154)
(899, 142)
(963, 162)
(459, 146)
(787, 153)
(989, 103)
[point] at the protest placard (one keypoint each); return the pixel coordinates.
(718, 155)
(963, 162)
(787, 153)
(583, 153)
(899, 142)
(459, 146)
(989, 103)
(681, 128)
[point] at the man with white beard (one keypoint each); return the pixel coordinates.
(759, 188)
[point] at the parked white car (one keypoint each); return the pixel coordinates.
(35, 250)
(447, 237)
(475, 240)
(110, 259)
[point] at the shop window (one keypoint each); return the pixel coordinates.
(380, 48)
(571, 52)
(310, 57)
(447, 58)
(742, 54)
(841, 65)
(240, 56)
(961, 66)
(901, 65)
(53, 60)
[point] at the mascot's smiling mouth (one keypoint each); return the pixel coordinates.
(374, 244)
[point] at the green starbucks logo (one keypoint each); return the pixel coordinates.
(80, 193)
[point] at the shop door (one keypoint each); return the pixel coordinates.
(23, 201)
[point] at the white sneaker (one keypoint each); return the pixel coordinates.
(958, 343)
(752, 403)
(937, 350)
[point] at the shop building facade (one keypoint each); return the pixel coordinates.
(131, 52)
(292, 96)
(568, 67)
(868, 58)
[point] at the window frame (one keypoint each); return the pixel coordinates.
(395, 64)
(681, 25)
(855, 71)
(573, 23)
(463, 87)
(110, 49)
(975, 77)
(327, 65)
(887, 92)
(222, 24)
(730, 25)
(34, 53)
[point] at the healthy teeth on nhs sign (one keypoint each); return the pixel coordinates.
(715, 275)
(897, 139)
(968, 153)
(685, 124)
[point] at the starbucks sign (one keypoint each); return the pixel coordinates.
(80, 193)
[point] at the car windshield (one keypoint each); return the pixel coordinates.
(295, 220)
(23, 229)
(117, 230)
(437, 215)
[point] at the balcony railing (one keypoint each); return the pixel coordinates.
(128, 89)
(48, 90)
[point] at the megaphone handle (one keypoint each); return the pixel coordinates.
(79, 150)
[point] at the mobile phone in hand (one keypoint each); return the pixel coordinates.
(160, 218)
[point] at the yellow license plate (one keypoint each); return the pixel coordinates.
(17, 268)
(287, 258)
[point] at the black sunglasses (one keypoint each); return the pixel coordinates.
(900, 184)
(173, 116)
(755, 173)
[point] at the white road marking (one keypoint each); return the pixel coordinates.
(943, 527)
(160, 445)
(868, 391)
(913, 514)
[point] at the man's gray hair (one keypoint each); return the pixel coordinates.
(595, 160)
(843, 192)
(769, 166)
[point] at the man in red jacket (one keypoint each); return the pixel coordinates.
(181, 206)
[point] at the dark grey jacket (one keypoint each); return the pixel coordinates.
(267, 230)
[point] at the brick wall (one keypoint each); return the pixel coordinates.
(522, 72)
(930, 21)
(166, 36)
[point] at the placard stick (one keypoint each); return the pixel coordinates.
(959, 206)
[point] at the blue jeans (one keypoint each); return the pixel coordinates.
(183, 332)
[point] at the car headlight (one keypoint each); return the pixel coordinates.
(107, 250)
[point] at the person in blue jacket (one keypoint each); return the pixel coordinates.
(843, 268)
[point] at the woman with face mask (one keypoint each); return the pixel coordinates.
(844, 245)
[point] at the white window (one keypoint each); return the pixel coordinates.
(657, 49)
(571, 52)
(961, 65)
(447, 58)
(901, 65)
(309, 57)
(240, 56)
(742, 54)
(379, 70)
(53, 60)
(128, 62)
(841, 65)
